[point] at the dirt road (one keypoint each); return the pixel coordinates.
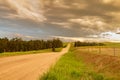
(28, 67)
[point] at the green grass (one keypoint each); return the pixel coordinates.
(65, 44)
(28, 52)
(112, 44)
(71, 68)
(107, 44)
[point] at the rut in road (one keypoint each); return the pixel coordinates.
(28, 67)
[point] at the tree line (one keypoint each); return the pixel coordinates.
(17, 44)
(78, 44)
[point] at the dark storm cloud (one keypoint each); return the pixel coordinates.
(75, 9)
(72, 18)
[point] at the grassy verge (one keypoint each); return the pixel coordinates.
(28, 52)
(112, 44)
(72, 67)
(65, 44)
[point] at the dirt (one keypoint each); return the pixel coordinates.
(28, 67)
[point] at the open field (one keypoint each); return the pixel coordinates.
(109, 48)
(28, 52)
(113, 51)
(112, 44)
(105, 64)
(75, 66)
(28, 67)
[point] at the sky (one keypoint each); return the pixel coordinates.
(96, 20)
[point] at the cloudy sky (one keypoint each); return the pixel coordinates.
(69, 19)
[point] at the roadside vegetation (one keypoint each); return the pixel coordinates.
(76, 66)
(19, 45)
(65, 44)
(6, 54)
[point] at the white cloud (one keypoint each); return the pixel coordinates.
(107, 1)
(112, 2)
(5, 34)
(27, 9)
(13, 35)
(82, 39)
(23, 36)
(93, 36)
(110, 35)
(91, 24)
(60, 3)
(63, 24)
(89, 21)
(103, 37)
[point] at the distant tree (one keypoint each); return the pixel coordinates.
(56, 43)
(17, 44)
(78, 43)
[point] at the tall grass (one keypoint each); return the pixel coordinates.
(70, 68)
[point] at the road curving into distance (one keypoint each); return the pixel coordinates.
(28, 67)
